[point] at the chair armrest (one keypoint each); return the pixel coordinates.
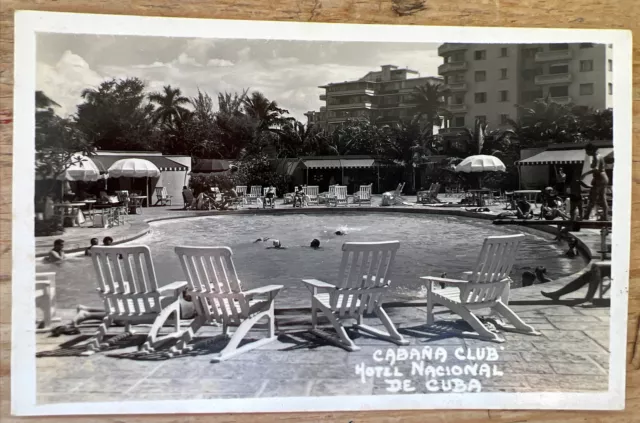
(263, 290)
(444, 280)
(173, 289)
(316, 284)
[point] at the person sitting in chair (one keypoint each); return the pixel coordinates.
(550, 205)
(298, 197)
(521, 209)
(269, 197)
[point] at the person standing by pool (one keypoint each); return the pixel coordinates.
(561, 179)
(56, 255)
(597, 194)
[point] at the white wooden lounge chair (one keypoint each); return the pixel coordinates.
(46, 300)
(361, 283)
(241, 191)
(129, 289)
(218, 297)
(254, 194)
(272, 201)
(311, 194)
(328, 196)
(339, 198)
(487, 286)
(163, 196)
(363, 195)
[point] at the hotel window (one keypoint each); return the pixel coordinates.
(530, 53)
(481, 97)
(503, 73)
(480, 54)
(504, 52)
(504, 95)
(481, 118)
(457, 57)
(457, 99)
(586, 89)
(458, 77)
(480, 76)
(586, 65)
(558, 69)
(504, 119)
(458, 121)
(610, 88)
(559, 91)
(560, 46)
(610, 65)
(586, 45)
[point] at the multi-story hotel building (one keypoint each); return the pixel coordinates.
(486, 81)
(383, 96)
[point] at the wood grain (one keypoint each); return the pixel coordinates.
(523, 13)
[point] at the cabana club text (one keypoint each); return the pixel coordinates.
(395, 365)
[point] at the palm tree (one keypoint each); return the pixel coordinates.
(44, 102)
(429, 102)
(270, 117)
(170, 102)
(548, 121)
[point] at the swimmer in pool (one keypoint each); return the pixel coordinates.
(277, 245)
(94, 241)
(315, 244)
(107, 241)
(56, 255)
(265, 239)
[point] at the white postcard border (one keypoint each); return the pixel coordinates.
(23, 365)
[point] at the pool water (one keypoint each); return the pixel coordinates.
(429, 245)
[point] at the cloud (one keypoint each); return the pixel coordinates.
(220, 63)
(65, 81)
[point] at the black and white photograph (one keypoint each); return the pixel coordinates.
(234, 216)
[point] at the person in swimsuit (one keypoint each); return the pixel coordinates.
(56, 255)
(94, 241)
(561, 179)
(597, 193)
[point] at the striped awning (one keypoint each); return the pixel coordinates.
(162, 163)
(338, 163)
(551, 157)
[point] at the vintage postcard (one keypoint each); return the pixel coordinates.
(235, 216)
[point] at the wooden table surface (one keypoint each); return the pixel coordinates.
(548, 13)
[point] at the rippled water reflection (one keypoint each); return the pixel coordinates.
(430, 245)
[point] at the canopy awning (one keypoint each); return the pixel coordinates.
(338, 163)
(162, 163)
(554, 157)
(211, 166)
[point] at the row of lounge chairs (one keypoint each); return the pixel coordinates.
(129, 288)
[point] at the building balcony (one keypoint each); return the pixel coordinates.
(451, 47)
(323, 97)
(556, 78)
(456, 108)
(559, 100)
(457, 87)
(552, 56)
(452, 67)
(345, 118)
(359, 91)
(365, 105)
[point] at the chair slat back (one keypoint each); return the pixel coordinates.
(363, 276)
(341, 192)
(496, 258)
(126, 279)
(256, 191)
(364, 193)
(265, 190)
(399, 189)
(311, 191)
(241, 190)
(122, 195)
(332, 190)
(209, 269)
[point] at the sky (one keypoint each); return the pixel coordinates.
(288, 72)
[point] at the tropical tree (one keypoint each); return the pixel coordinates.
(170, 102)
(297, 139)
(234, 132)
(356, 137)
(117, 116)
(269, 116)
(429, 100)
(548, 121)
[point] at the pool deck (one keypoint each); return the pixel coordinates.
(572, 353)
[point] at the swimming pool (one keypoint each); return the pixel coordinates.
(430, 245)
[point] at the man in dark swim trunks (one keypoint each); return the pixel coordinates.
(597, 194)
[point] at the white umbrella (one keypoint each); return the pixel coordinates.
(134, 168)
(481, 163)
(81, 169)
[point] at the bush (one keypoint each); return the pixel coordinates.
(48, 227)
(201, 182)
(260, 171)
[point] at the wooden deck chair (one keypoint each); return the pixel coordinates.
(361, 283)
(395, 197)
(129, 289)
(272, 201)
(218, 297)
(254, 194)
(363, 195)
(311, 193)
(46, 300)
(339, 196)
(487, 286)
(424, 195)
(163, 196)
(328, 197)
(189, 199)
